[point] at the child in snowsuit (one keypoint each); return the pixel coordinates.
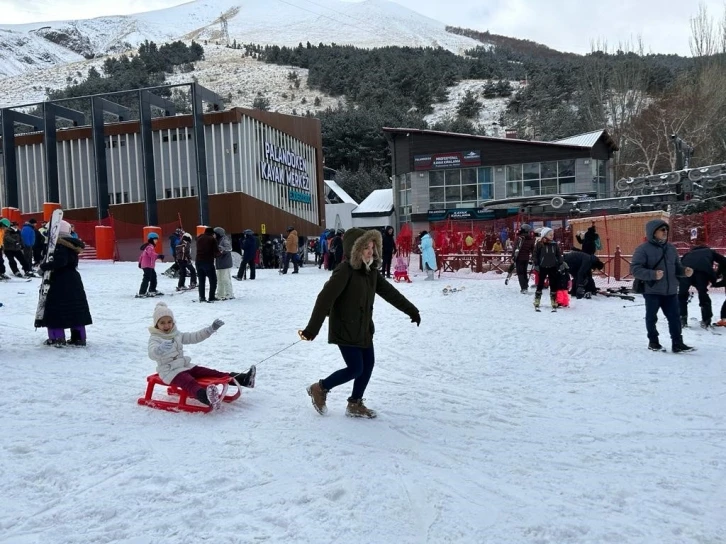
(147, 262)
(400, 272)
(549, 263)
(347, 298)
(166, 347)
(183, 257)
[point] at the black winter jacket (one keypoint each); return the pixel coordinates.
(389, 243)
(547, 255)
(523, 248)
(589, 241)
(702, 259)
(580, 266)
(66, 305)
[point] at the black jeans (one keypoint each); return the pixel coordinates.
(287, 257)
(359, 364)
(17, 255)
(204, 271)
(669, 305)
(554, 275)
(700, 281)
(149, 281)
(242, 272)
(185, 266)
(523, 274)
(387, 259)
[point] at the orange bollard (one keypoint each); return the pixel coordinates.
(13, 215)
(5, 213)
(105, 241)
(157, 230)
(201, 229)
(48, 209)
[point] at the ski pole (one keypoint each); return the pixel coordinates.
(632, 305)
(277, 353)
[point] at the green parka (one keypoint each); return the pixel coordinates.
(348, 295)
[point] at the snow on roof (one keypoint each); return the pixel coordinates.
(587, 139)
(339, 192)
(379, 201)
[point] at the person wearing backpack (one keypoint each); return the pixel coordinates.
(590, 240)
(656, 263)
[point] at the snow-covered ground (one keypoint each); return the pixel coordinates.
(496, 424)
(490, 114)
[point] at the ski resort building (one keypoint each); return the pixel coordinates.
(239, 169)
(443, 175)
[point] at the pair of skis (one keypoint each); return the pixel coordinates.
(53, 232)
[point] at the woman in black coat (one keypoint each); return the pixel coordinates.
(66, 306)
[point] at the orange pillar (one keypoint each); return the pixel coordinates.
(6, 213)
(48, 209)
(157, 230)
(12, 215)
(104, 242)
(200, 229)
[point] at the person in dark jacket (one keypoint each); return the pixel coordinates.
(207, 250)
(348, 298)
(590, 240)
(333, 242)
(389, 250)
(174, 240)
(249, 252)
(13, 246)
(701, 259)
(579, 268)
(521, 256)
(549, 263)
(40, 244)
(183, 258)
(66, 305)
(656, 263)
(721, 282)
(28, 235)
(268, 255)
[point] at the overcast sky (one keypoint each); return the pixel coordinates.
(566, 25)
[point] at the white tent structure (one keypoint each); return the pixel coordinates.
(339, 206)
(376, 211)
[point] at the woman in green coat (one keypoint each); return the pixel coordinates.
(348, 299)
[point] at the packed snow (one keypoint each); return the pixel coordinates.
(496, 424)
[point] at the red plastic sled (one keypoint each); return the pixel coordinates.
(181, 405)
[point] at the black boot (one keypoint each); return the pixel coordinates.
(245, 379)
(654, 345)
(680, 347)
(202, 397)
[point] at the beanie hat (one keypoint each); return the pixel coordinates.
(33, 221)
(162, 310)
(545, 231)
(64, 228)
(187, 236)
(5, 222)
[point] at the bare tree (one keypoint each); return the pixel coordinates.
(704, 38)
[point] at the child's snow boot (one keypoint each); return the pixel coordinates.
(537, 299)
(553, 301)
(318, 395)
(210, 397)
(245, 379)
(356, 408)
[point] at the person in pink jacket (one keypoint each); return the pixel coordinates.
(147, 263)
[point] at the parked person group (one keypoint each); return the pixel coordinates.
(16, 251)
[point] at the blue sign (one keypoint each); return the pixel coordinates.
(298, 196)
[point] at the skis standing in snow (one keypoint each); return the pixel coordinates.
(348, 299)
(62, 303)
(657, 264)
(166, 347)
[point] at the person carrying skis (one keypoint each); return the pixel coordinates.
(655, 262)
(147, 263)
(183, 258)
(166, 348)
(701, 259)
(66, 305)
(549, 263)
(347, 298)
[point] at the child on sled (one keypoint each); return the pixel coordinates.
(166, 348)
(400, 272)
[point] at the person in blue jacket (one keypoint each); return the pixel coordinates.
(27, 234)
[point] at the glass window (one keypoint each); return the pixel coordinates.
(404, 197)
(453, 177)
(408, 179)
(601, 169)
(436, 194)
(453, 194)
(514, 188)
(549, 169)
(486, 191)
(531, 187)
(436, 178)
(485, 175)
(566, 168)
(514, 172)
(549, 186)
(530, 171)
(466, 205)
(567, 185)
(468, 176)
(602, 191)
(468, 192)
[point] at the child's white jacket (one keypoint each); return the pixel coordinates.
(170, 362)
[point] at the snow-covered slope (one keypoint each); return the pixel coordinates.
(238, 79)
(496, 424)
(371, 23)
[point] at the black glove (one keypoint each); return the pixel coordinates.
(416, 318)
(306, 335)
(588, 295)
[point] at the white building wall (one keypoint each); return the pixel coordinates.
(339, 216)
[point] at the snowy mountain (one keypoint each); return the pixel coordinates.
(372, 23)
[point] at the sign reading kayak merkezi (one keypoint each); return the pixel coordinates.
(454, 159)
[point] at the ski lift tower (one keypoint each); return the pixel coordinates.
(225, 28)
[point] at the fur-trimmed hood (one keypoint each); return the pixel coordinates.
(355, 240)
